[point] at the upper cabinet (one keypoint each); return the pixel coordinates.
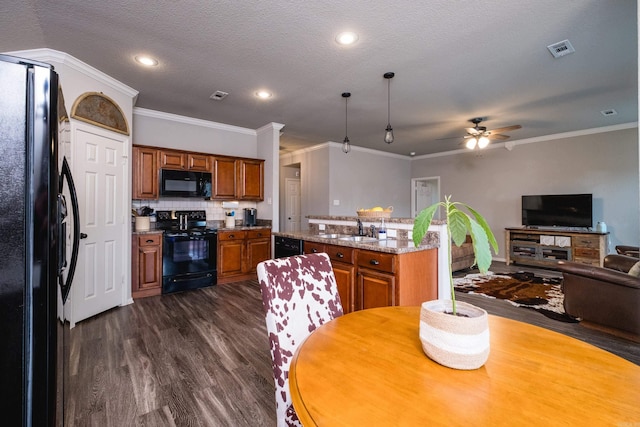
(251, 179)
(224, 178)
(145, 173)
(232, 178)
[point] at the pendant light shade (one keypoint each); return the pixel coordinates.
(346, 147)
(388, 135)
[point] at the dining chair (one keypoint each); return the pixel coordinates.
(299, 294)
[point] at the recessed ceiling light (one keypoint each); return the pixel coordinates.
(263, 94)
(347, 38)
(146, 60)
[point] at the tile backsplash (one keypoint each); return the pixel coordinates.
(212, 207)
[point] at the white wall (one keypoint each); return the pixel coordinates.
(493, 181)
(160, 129)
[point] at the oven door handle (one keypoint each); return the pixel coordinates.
(190, 277)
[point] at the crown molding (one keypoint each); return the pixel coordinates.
(137, 111)
(50, 55)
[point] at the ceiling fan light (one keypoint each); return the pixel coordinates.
(471, 143)
(483, 141)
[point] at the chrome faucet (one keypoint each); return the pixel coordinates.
(360, 229)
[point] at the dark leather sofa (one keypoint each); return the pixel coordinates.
(604, 298)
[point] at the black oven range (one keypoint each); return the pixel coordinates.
(189, 250)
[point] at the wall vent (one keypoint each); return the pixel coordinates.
(609, 112)
(562, 48)
(218, 95)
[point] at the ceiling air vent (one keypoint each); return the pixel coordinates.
(218, 95)
(561, 48)
(609, 112)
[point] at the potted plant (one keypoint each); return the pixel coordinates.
(456, 334)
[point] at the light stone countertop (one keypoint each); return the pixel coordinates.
(392, 246)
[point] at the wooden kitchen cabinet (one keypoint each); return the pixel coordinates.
(145, 173)
(369, 278)
(146, 264)
(224, 171)
(198, 162)
(170, 159)
(250, 179)
(239, 252)
(342, 260)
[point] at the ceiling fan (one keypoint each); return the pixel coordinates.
(479, 136)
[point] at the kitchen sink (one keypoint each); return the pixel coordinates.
(362, 239)
(333, 236)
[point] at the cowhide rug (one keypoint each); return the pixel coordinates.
(522, 289)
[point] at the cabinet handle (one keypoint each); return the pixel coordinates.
(150, 241)
(259, 234)
(340, 255)
(231, 236)
(374, 262)
(315, 251)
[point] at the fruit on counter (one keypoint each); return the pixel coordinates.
(377, 209)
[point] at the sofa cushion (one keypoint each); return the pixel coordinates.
(635, 270)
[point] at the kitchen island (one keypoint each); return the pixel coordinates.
(377, 273)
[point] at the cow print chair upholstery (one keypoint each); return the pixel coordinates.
(299, 294)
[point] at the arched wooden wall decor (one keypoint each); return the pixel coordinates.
(100, 110)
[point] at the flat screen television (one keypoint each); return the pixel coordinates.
(557, 210)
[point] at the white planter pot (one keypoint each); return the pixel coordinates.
(454, 341)
(142, 223)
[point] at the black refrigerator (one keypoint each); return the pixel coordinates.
(35, 271)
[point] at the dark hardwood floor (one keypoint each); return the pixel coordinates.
(201, 358)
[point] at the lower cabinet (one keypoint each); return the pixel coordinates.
(146, 264)
(239, 252)
(368, 279)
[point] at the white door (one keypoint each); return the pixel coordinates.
(424, 193)
(292, 205)
(100, 175)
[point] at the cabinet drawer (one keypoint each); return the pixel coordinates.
(586, 241)
(340, 253)
(258, 234)
(313, 248)
(581, 252)
(588, 261)
(149, 240)
(231, 235)
(376, 260)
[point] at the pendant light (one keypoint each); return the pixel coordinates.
(346, 147)
(388, 135)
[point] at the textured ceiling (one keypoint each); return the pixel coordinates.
(453, 61)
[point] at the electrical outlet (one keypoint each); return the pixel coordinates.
(392, 233)
(321, 227)
(410, 235)
(336, 202)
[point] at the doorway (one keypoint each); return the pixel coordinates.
(424, 193)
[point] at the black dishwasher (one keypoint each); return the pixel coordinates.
(286, 246)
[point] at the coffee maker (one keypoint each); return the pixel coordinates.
(250, 215)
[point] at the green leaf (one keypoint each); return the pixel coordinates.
(485, 226)
(480, 247)
(422, 222)
(457, 222)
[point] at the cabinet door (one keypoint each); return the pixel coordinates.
(224, 178)
(313, 248)
(146, 268)
(172, 159)
(345, 279)
(375, 289)
(251, 177)
(145, 173)
(258, 250)
(230, 256)
(198, 162)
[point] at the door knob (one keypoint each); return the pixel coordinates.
(83, 236)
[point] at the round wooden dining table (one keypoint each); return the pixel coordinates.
(367, 368)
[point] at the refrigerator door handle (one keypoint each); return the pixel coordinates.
(66, 284)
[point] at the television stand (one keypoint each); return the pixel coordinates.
(544, 246)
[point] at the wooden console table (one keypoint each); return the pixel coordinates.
(543, 247)
(368, 368)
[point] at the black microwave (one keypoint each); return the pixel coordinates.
(175, 183)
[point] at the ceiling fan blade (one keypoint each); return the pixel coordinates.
(498, 136)
(505, 129)
(472, 131)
